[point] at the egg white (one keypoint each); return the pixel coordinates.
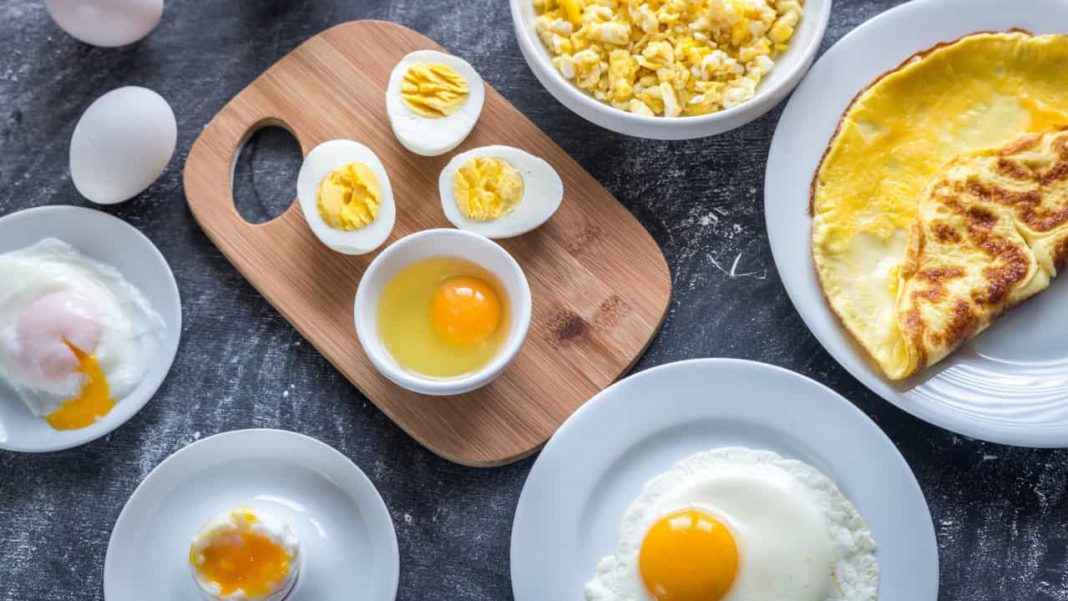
(433, 136)
(543, 191)
(130, 328)
(325, 158)
(267, 525)
(798, 537)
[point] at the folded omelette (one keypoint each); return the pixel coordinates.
(941, 200)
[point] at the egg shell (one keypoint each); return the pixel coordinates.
(323, 159)
(543, 191)
(106, 23)
(432, 137)
(122, 144)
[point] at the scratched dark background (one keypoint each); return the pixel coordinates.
(1000, 513)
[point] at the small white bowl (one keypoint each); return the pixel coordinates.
(441, 243)
(789, 68)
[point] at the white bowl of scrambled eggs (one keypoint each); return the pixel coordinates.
(670, 70)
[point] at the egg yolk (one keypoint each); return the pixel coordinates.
(465, 311)
(433, 90)
(688, 556)
(487, 188)
(93, 402)
(243, 560)
(349, 197)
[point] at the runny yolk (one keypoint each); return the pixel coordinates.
(465, 311)
(688, 556)
(243, 560)
(93, 402)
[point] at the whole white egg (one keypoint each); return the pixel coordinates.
(542, 193)
(122, 144)
(106, 23)
(320, 163)
(763, 527)
(438, 134)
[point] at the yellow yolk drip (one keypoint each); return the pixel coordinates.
(434, 90)
(349, 197)
(93, 402)
(465, 311)
(243, 560)
(688, 556)
(487, 188)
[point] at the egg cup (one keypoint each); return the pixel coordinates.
(441, 243)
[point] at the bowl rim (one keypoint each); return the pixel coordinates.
(365, 310)
(681, 127)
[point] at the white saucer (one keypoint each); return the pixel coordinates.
(596, 464)
(115, 242)
(1010, 384)
(348, 544)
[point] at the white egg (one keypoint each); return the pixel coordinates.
(121, 144)
(234, 522)
(324, 159)
(797, 537)
(432, 136)
(52, 294)
(106, 23)
(543, 192)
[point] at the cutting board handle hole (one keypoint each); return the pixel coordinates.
(265, 174)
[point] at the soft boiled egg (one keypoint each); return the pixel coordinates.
(346, 197)
(737, 524)
(499, 191)
(433, 101)
(75, 336)
(245, 554)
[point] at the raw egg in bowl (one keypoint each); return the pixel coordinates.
(442, 312)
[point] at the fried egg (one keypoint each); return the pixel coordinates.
(245, 554)
(499, 191)
(75, 336)
(736, 524)
(346, 197)
(433, 101)
(977, 93)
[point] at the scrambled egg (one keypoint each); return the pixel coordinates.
(349, 197)
(433, 91)
(487, 188)
(667, 57)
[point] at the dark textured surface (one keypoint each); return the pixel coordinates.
(1000, 513)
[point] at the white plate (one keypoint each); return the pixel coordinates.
(596, 464)
(348, 544)
(115, 242)
(1010, 384)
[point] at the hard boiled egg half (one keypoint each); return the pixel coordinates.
(499, 191)
(345, 196)
(433, 100)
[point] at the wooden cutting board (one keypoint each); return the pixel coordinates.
(599, 282)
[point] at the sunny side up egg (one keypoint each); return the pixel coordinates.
(346, 198)
(245, 554)
(499, 191)
(737, 524)
(75, 336)
(433, 100)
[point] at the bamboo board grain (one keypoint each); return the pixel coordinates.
(599, 282)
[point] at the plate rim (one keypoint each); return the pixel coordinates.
(168, 352)
(850, 356)
(379, 506)
(711, 365)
